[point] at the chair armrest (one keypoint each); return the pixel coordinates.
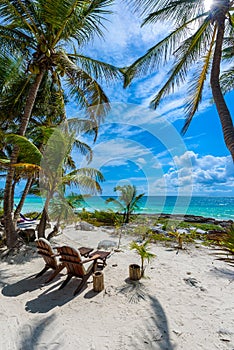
(95, 257)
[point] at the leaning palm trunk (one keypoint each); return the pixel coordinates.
(11, 235)
(224, 114)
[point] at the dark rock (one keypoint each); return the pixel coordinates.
(107, 244)
(84, 226)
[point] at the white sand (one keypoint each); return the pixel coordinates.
(173, 315)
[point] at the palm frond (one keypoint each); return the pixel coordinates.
(227, 80)
(28, 151)
(87, 91)
(177, 12)
(95, 68)
(196, 88)
(186, 55)
(84, 149)
(158, 54)
(116, 202)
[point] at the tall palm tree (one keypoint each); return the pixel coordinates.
(195, 41)
(49, 37)
(128, 200)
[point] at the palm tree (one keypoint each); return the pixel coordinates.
(128, 200)
(48, 35)
(144, 254)
(196, 40)
(58, 171)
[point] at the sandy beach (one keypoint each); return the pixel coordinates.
(185, 302)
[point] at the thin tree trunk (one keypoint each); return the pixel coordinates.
(11, 235)
(44, 218)
(13, 195)
(22, 199)
(224, 114)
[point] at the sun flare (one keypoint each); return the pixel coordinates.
(208, 4)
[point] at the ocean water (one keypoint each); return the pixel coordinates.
(214, 207)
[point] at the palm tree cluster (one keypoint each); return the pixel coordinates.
(41, 58)
(42, 68)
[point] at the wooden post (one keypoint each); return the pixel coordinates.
(98, 281)
(134, 272)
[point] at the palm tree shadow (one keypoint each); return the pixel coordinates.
(30, 335)
(154, 334)
(161, 323)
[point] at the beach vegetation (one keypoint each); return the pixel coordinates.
(127, 202)
(194, 46)
(47, 38)
(100, 217)
(168, 224)
(225, 251)
(143, 252)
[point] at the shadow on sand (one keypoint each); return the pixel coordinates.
(31, 335)
(27, 284)
(52, 297)
(153, 333)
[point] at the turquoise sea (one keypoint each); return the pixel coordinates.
(215, 207)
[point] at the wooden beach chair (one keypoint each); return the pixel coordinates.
(103, 255)
(49, 256)
(74, 264)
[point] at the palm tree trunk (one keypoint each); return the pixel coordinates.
(11, 235)
(44, 218)
(22, 199)
(224, 114)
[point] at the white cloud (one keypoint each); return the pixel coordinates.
(205, 174)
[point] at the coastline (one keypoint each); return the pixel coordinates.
(218, 208)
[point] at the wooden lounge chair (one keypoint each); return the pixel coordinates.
(49, 256)
(74, 264)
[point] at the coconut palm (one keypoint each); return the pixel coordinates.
(196, 40)
(128, 200)
(49, 36)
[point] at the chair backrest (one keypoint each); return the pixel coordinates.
(72, 258)
(45, 250)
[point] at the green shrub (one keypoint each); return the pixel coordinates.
(101, 217)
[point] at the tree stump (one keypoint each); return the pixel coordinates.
(134, 272)
(98, 281)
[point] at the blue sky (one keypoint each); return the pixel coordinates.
(144, 147)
